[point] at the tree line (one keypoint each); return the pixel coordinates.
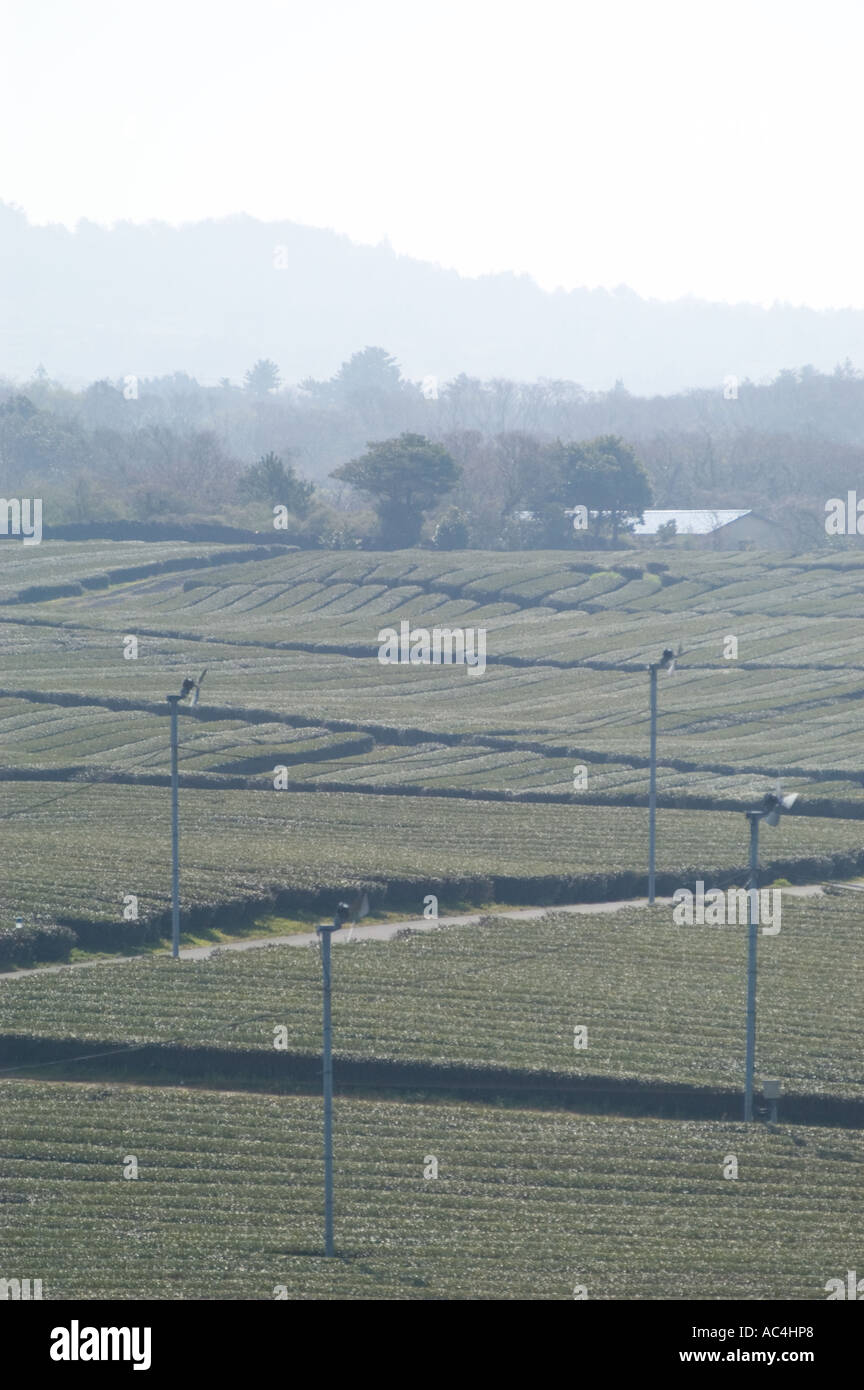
(372, 457)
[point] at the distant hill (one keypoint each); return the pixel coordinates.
(209, 299)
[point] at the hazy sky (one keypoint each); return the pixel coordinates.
(706, 148)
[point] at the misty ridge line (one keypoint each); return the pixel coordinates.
(265, 269)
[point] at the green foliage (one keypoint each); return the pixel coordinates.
(82, 501)
(605, 476)
(24, 946)
(404, 478)
(452, 531)
(173, 447)
(270, 481)
(34, 441)
(341, 538)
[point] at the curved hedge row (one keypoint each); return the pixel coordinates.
(27, 945)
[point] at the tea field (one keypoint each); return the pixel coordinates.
(525, 1206)
(660, 1001)
(73, 851)
(559, 715)
(310, 770)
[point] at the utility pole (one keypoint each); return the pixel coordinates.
(774, 805)
(174, 701)
(666, 663)
(754, 817)
(325, 932)
(192, 689)
(652, 786)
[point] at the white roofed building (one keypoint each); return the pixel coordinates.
(723, 529)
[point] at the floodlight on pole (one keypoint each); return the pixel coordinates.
(666, 663)
(193, 688)
(774, 805)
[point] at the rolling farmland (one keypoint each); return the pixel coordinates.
(226, 1204)
(558, 716)
(661, 1002)
(101, 842)
(310, 770)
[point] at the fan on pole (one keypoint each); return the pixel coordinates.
(774, 805)
(193, 688)
(666, 663)
(189, 688)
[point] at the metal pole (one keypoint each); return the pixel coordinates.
(324, 933)
(174, 700)
(652, 787)
(754, 818)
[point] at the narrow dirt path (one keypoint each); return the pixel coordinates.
(381, 931)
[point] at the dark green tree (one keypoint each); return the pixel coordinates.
(605, 476)
(270, 481)
(403, 478)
